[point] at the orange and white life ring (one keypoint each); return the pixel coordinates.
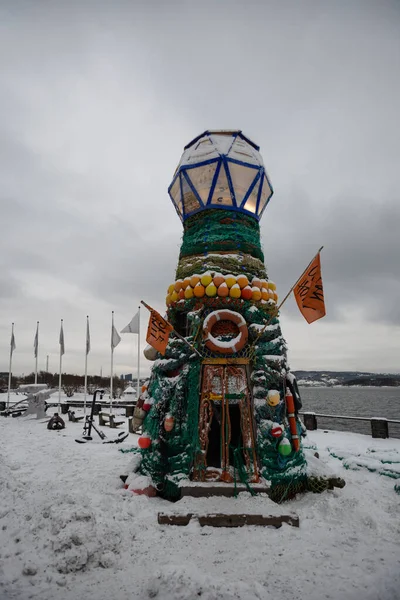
(231, 346)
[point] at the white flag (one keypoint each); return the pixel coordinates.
(115, 338)
(13, 346)
(36, 341)
(62, 347)
(133, 326)
(87, 337)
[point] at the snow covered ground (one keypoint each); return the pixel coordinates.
(68, 529)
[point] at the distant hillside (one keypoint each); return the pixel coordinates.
(331, 378)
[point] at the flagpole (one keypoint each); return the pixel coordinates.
(59, 376)
(138, 359)
(36, 349)
(9, 368)
(112, 361)
(86, 354)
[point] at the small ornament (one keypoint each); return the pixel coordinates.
(230, 280)
(235, 291)
(171, 288)
(188, 292)
(144, 441)
(277, 430)
(211, 290)
(169, 422)
(206, 279)
(273, 398)
(218, 279)
(255, 293)
(223, 290)
(284, 447)
(178, 285)
(242, 281)
(247, 293)
(194, 280)
(199, 290)
(147, 404)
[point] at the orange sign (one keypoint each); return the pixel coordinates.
(158, 331)
(309, 292)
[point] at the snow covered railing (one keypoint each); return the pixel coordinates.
(379, 425)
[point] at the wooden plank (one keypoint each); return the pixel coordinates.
(229, 520)
(227, 490)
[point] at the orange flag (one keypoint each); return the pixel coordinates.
(309, 292)
(158, 330)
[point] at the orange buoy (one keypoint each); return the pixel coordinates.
(292, 420)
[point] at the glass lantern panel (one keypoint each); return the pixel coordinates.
(190, 202)
(242, 151)
(202, 178)
(204, 150)
(222, 195)
(265, 194)
(251, 202)
(175, 193)
(242, 178)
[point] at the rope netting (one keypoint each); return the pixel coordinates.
(221, 231)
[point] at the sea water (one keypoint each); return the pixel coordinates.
(354, 402)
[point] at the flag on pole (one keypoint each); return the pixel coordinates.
(115, 338)
(62, 347)
(134, 325)
(36, 341)
(158, 331)
(309, 292)
(13, 346)
(87, 337)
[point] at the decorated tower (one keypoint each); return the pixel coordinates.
(221, 404)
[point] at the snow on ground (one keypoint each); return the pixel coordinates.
(68, 529)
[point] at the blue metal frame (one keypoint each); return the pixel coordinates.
(222, 162)
(234, 133)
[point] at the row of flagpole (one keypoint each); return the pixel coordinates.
(132, 327)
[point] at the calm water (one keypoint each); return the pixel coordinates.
(355, 402)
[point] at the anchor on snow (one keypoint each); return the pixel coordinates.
(89, 425)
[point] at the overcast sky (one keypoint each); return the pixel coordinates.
(98, 99)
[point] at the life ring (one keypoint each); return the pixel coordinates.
(231, 346)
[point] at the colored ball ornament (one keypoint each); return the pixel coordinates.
(199, 290)
(273, 398)
(256, 282)
(235, 291)
(181, 294)
(223, 290)
(264, 284)
(271, 285)
(174, 296)
(144, 441)
(264, 294)
(194, 280)
(242, 281)
(206, 279)
(211, 290)
(169, 422)
(188, 292)
(178, 285)
(171, 288)
(144, 388)
(146, 406)
(186, 282)
(168, 300)
(276, 431)
(230, 280)
(275, 298)
(255, 293)
(218, 279)
(247, 293)
(284, 447)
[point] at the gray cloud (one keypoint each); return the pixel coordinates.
(98, 99)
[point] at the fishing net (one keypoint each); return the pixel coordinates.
(221, 231)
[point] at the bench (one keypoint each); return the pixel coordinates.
(105, 419)
(73, 418)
